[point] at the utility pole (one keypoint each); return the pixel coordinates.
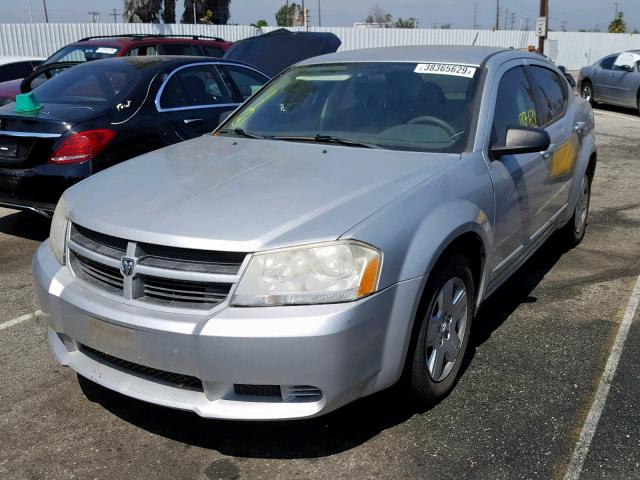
(506, 17)
(513, 19)
(30, 12)
(46, 14)
(115, 15)
(497, 26)
(544, 12)
(94, 16)
(526, 25)
(319, 15)
(304, 15)
(194, 12)
(616, 14)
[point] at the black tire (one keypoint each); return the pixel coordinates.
(573, 232)
(426, 389)
(586, 92)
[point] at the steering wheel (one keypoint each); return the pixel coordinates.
(436, 122)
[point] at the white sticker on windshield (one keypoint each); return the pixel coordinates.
(108, 50)
(446, 69)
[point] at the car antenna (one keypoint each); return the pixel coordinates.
(475, 39)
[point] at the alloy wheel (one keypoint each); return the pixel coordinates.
(582, 207)
(447, 328)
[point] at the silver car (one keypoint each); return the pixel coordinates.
(336, 234)
(614, 80)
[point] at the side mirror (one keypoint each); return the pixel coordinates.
(522, 140)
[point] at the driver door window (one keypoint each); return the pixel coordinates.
(515, 105)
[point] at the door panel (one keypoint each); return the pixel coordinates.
(552, 103)
(518, 180)
(193, 99)
(601, 77)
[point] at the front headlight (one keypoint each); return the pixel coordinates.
(320, 273)
(58, 232)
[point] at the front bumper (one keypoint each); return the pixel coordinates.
(346, 351)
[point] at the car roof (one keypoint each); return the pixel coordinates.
(5, 59)
(462, 54)
(159, 62)
(121, 41)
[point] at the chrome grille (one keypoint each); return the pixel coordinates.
(177, 277)
(174, 379)
(97, 273)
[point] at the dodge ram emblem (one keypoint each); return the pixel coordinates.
(127, 266)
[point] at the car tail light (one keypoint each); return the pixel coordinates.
(82, 146)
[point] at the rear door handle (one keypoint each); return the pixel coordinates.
(193, 121)
(548, 152)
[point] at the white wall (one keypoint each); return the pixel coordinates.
(575, 49)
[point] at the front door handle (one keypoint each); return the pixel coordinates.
(193, 122)
(548, 153)
(580, 127)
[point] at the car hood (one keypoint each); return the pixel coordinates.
(233, 194)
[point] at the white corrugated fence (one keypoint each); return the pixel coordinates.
(571, 49)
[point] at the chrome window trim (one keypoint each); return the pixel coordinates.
(194, 107)
(10, 133)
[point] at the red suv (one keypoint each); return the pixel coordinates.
(94, 48)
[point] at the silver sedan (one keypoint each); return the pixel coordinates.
(614, 80)
(336, 234)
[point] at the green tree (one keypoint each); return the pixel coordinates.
(408, 23)
(260, 23)
(378, 16)
(618, 25)
(289, 17)
(219, 11)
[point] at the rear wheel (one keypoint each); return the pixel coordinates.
(587, 92)
(445, 325)
(573, 232)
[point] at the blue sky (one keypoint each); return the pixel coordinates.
(576, 13)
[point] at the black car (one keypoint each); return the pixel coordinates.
(100, 113)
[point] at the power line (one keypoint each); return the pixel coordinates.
(94, 16)
(115, 14)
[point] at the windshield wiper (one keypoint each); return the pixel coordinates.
(241, 133)
(327, 139)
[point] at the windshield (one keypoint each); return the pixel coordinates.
(90, 84)
(82, 53)
(404, 106)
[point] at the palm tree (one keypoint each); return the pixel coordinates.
(219, 9)
(145, 11)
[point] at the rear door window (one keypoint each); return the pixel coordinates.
(180, 49)
(145, 50)
(212, 51)
(607, 63)
(193, 87)
(515, 104)
(551, 94)
(244, 82)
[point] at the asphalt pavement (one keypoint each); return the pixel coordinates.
(539, 350)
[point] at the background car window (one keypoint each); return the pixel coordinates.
(551, 94)
(145, 50)
(180, 49)
(607, 63)
(15, 70)
(194, 86)
(515, 104)
(211, 51)
(243, 81)
(82, 53)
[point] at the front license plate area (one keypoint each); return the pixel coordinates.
(110, 338)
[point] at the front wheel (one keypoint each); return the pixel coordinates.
(445, 320)
(573, 232)
(587, 92)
